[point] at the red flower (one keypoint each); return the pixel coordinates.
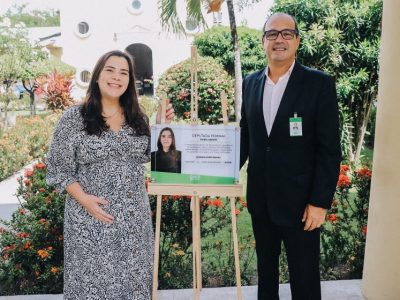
(22, 211)
(332, 218)
(42, 190)
(344, 169)
(218, 203)
(40, 166)
(176, 197)
(364, 230)
(364, 172)
(343, 181)
(237, 211)
(48, 200)
(27, 245)
(43, 222)
(22, 235)
(165, 198)
(27, 182)
(28, 173)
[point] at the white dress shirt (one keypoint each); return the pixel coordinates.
(272, 97)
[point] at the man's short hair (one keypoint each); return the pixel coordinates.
(284, 14)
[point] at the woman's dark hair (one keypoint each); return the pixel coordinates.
(159, 145)
(91, 110)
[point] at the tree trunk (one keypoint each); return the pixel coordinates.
(31, 91)
(363, 129)
(32, 103)
(238, 67)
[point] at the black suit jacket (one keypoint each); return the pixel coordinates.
(285, 173)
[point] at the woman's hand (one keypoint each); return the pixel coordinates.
(93, 206)
(169, 114)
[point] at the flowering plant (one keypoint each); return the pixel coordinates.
(175, 267)
(343, 242)
(31, 257)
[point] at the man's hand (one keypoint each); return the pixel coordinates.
(313, 217)
(169, 114)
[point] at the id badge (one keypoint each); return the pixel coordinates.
(295, 125)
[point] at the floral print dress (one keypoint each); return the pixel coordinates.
(103, 261)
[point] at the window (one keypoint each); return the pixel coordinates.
(136, 4)
(82, 29)
(83, 78)
(191, 26)
(135, 7)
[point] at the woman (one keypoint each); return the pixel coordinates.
(166, 158)
(96, 155)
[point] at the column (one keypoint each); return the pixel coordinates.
(381, 278)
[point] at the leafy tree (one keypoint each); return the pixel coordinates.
(171, 21)
(20, 61)
(342, 38)
(212, 78)
(35, 18)
(216, 42)
(23, 61)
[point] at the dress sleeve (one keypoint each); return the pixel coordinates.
(144, 157)
(61, 158)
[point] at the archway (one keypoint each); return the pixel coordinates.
(143, 65)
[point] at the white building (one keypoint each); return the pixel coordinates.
(91, 28)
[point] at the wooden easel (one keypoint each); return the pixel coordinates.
(196, 191)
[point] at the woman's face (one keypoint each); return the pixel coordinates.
(114, 78)
(166, 139)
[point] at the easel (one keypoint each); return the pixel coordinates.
(195, 191)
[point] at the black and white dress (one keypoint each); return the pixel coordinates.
(103, 261)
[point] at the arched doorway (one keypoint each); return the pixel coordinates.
(143, 66)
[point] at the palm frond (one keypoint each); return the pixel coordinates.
(169, 16)
(194, 11)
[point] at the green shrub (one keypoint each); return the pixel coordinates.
(212, 80)
(343, 240)
(216, 43)
(28, 140)
(31, 258)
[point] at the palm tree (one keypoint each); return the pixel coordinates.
(171, 22)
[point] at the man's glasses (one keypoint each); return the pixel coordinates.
(287, 34)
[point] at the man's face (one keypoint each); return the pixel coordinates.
(280, 51)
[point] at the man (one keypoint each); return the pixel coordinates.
(290, 134)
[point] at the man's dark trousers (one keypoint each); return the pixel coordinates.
(302, 250)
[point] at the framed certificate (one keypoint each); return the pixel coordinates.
(195, 154)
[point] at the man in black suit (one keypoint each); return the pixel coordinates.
(290, 134)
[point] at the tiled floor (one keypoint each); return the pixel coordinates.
(331, 290)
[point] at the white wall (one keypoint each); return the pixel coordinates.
(113, 26)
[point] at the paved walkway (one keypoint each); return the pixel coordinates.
(8, 189)
(331, 290)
